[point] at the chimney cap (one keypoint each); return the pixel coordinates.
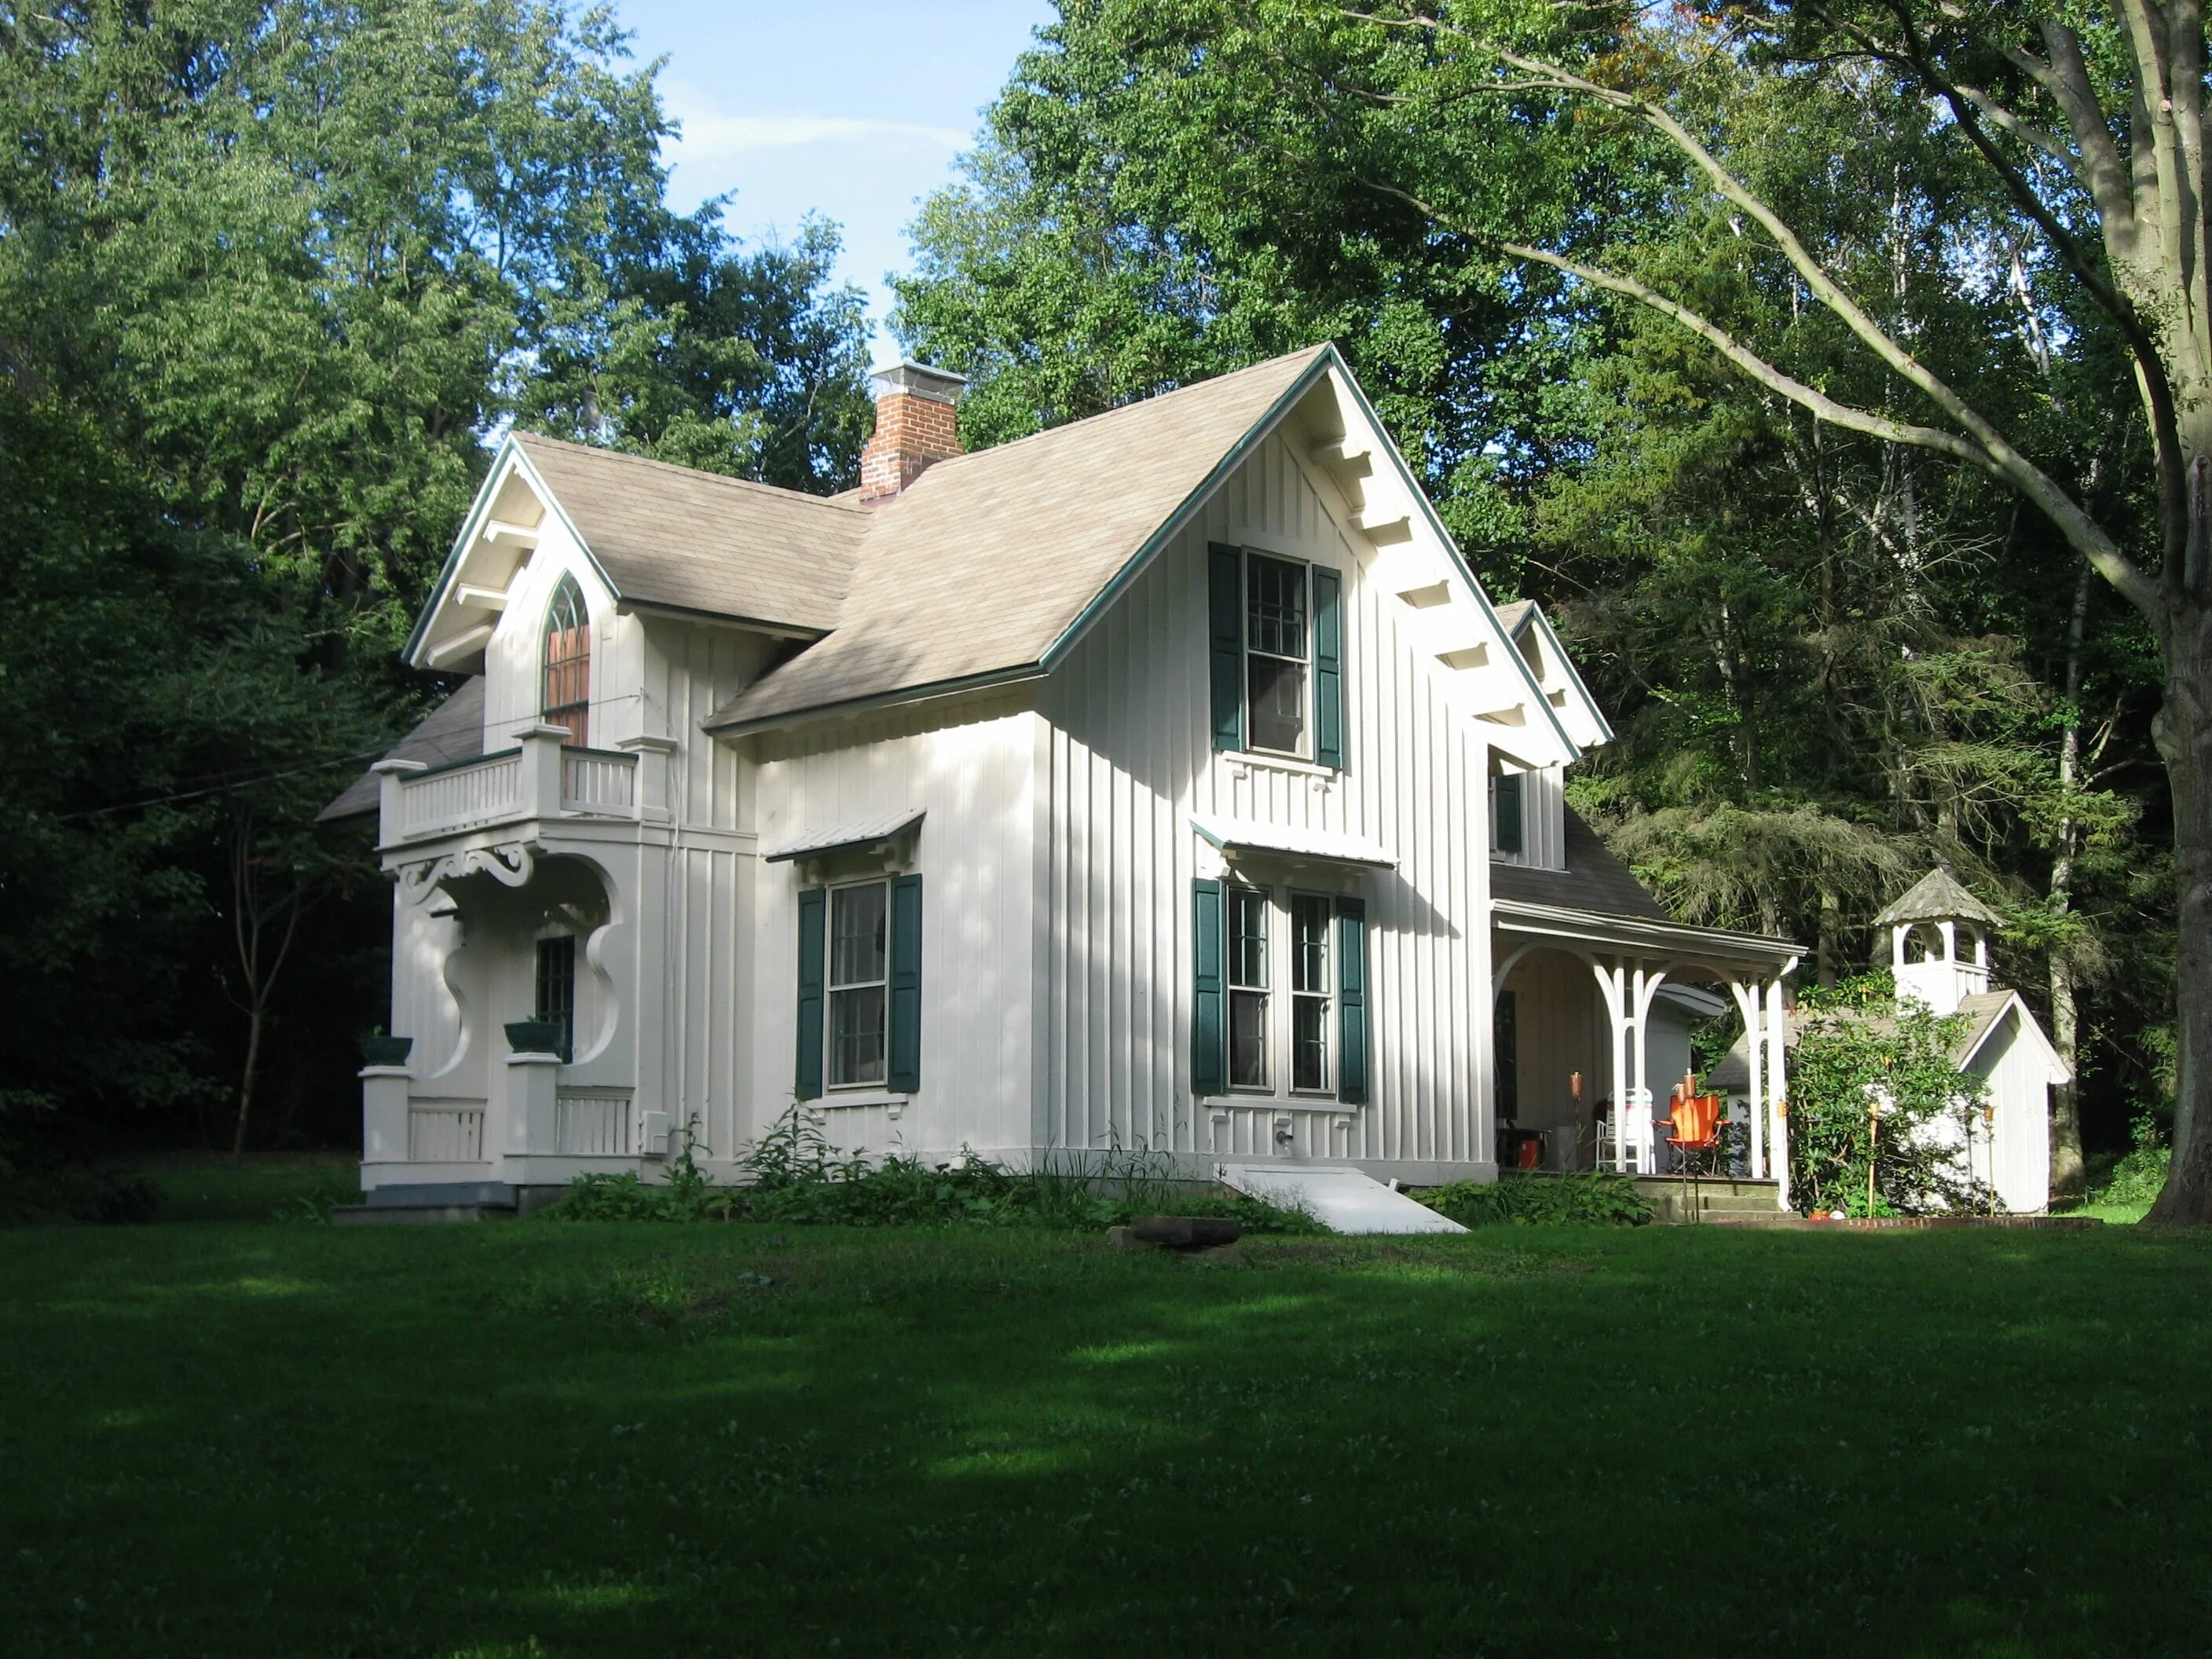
(938, 385)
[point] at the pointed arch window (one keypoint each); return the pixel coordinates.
(568, 663)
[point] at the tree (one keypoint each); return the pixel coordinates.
(2094, 130)
(271, 273)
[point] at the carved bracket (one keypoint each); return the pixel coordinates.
(510, 866)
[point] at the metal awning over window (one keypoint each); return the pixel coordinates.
(1235, 835)
(856, 834)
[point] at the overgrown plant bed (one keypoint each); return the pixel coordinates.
(792, 1176)
(1588, 1199)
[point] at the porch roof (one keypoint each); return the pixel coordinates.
(841, 837)
(1641, 936)
(1234, 836)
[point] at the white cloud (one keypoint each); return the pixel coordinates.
(712, 135)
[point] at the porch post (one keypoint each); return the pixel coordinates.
(1611, 988)
(1777, 1048)
(1749, 1002)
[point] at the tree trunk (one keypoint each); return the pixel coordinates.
(2183, 732)
(257, 1016)
(2066, 1169)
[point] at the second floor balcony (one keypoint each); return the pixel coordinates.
(542, 777)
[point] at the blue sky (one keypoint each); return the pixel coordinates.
(851, 108)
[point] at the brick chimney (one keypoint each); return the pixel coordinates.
(914, 426)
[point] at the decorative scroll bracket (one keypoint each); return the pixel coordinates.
(510, 865)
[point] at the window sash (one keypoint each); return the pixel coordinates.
(1249, 983)
(857, 1034)
(1312, 990)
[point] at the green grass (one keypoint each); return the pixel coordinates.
(241, 1437)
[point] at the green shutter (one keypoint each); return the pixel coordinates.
(1351, 1001)
(1225, 589)
(814, 916)
(1209, 1030)
(1329, 666)
(1506, 791)
(905, 1069)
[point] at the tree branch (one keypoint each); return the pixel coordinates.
(2002, 461)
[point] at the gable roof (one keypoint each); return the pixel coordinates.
(988, 569)
(453, 731)
(1936, 896)
(980, 567)
(675, 537)
(698, 541)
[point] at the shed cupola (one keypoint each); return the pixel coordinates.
(1925, 942)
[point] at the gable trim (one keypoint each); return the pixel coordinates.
(508, 451)
(1574, 674)
(1428, 512)
(2028, 1023)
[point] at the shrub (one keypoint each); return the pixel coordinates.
(1861, 1047)
(2140, 1172)
(1594, 1198)
(792, 1175)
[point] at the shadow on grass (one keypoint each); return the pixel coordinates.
(735, 1439)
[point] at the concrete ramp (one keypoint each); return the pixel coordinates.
(1342, 1199)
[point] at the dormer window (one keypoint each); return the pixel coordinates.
(568, 657)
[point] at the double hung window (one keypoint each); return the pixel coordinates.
(859, 975)
(860, 987)
(1276, 628)
(1280, 988)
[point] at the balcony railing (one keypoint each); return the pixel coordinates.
(445, 1131)
(589, 1122)
(540, 778)
(459, 797)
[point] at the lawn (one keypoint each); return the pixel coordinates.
(241, 1436)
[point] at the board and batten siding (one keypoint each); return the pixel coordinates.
(970, 767)
(2016, 1160)
(1543, 821)
(1129, 757)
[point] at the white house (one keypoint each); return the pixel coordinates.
(1940, 955)
(1162, 781)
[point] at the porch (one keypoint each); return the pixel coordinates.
(1592, 1016)
(522, 882)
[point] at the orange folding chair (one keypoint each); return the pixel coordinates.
(1696, 1127)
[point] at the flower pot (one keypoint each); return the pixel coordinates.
(534, 1037)
(385, 1050)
